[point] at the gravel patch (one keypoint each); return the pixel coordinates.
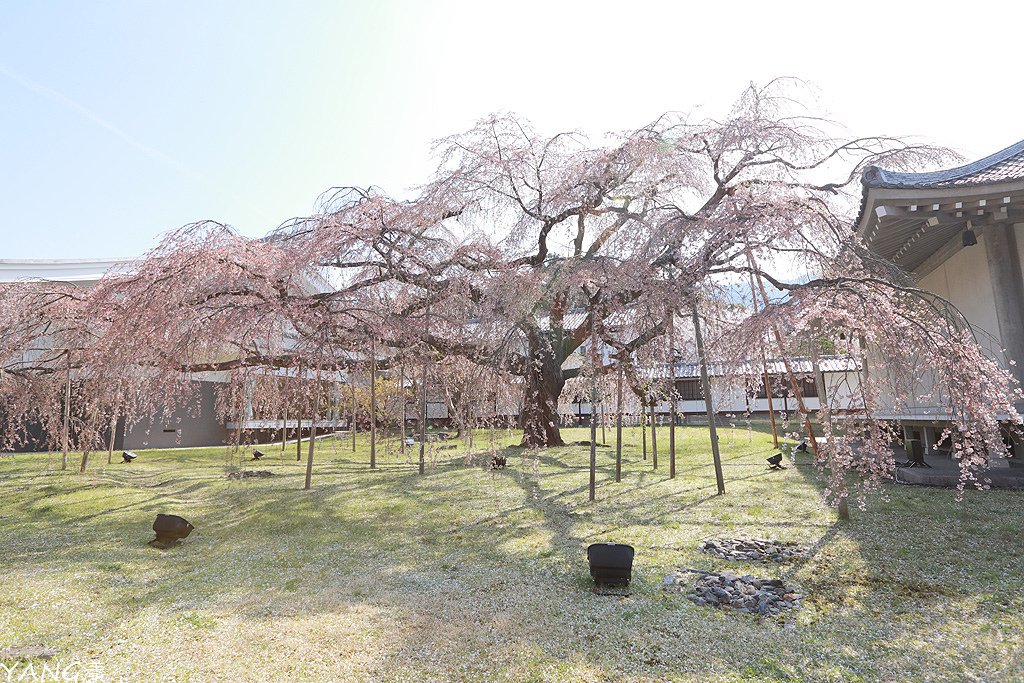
(746, 593)
(755, 549)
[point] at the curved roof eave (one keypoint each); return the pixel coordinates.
(1006, 164)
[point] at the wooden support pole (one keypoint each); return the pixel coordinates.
(618, 424)
(842, 506)
(373, 404)
(423, 388)
(67, 422)
(353, 386)
(593, 406)
(705, 384)
(298, 420)
(764, 366)
(312, 430)
(284, 425)
(794, 385)
(643, 422)
(654, 433)
(110, 440)
(604, 434)
(671, 395)
(401, 395)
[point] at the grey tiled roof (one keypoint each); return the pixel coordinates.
(1004, 165)
(800, 366)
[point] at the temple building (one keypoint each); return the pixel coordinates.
(958, 233)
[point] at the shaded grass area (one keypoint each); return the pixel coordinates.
(465, 575)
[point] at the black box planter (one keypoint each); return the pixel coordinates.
(170, 529)
(611, 564)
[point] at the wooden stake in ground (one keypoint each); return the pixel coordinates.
(842, 507)
(312, 431)
(618, 424)
(643, 422)
(298, 421)
(353, 425)
(654, 433)
(67, 422)
(671, 395)
(764, 364)
(593, 402)
(423, 388)
(110, 440)
(705, 385)
(373, 404)
(241, 417)
(401, 395)
(284, 425)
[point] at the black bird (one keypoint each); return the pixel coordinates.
(257, 454)
(801, 447)
(498, 462)
(128, 456)
(775, 462)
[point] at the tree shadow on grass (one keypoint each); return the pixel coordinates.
(455, 556)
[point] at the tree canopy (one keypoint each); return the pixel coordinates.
(519, 249)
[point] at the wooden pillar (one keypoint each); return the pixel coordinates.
(593, 402)
(401, 394)
(764, 368)
(654, 433)
(706, 388)
(110, 440)
(643, 422)
(842, 506)
(671, 396)
(353, 385)
(423, 387)
(284, 425)
(67, 422)
(312, 431)
(373, 404)
(618, 424)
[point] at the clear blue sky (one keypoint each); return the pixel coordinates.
(121, 120)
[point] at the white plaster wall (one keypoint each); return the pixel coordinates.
(841, 387)
(966, 281)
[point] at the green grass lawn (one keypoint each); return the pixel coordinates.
(466, 575)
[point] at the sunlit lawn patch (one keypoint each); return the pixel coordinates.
(465, 574)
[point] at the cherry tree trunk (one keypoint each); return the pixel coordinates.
(544, 384)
